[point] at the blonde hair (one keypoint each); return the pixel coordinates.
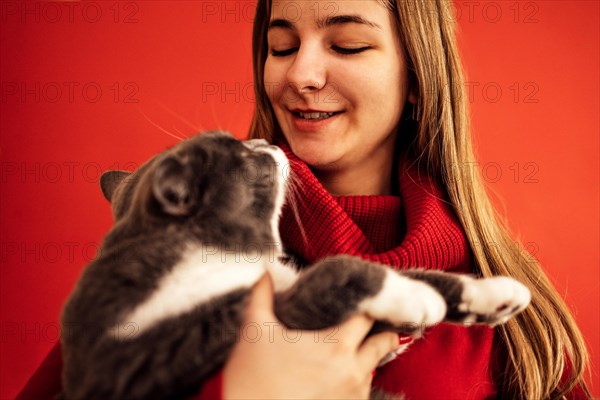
(543, 339)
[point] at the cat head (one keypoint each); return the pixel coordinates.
(211, 183)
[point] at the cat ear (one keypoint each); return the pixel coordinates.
(172, 186)
(110, 180)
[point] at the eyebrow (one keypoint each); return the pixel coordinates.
(330, 21)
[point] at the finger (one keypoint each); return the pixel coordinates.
(261, 299)
(375, 348)
(354, 330)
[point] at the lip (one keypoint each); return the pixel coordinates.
(307, 110)
(311, 125)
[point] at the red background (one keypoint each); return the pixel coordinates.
(99, 85)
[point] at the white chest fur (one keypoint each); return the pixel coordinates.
(202, 274)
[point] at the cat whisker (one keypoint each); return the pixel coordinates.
(178, 131)
(160, 127)
(213, 112)
(182, 119)
(294, 186)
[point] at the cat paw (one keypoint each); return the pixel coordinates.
(407, 304)
(493, 300)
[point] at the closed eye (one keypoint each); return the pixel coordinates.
(283, 53)
(349, 50)
(337, 49)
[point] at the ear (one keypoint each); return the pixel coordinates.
(110, 180)
(172, 186)
(412, 98)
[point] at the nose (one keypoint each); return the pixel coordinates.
(307, 74)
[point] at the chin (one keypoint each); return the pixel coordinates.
(318, 161)
(317, 155)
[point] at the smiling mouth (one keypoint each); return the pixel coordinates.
(314, 115)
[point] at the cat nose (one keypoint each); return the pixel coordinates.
(254, 143)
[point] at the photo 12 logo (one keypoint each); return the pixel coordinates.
(228, 11)
(71, 12)
(493, 172)
(75, 172)
(40, 252)
(70, 92)
(490, 12)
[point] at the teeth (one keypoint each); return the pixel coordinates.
(315, 115)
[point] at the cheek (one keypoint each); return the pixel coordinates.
(387, 91)
(381, 81)
(378, 98)
(273, 81)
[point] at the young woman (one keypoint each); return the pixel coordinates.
(358, 92)
(366, 98)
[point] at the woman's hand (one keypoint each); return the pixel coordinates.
(271, 362)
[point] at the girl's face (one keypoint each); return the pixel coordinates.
(337, 80)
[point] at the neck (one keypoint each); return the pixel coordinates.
(356, 182)
(373, 176)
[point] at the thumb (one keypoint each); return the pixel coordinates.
(375, 347)
(260, 304)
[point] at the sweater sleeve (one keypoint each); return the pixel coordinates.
(46, 383)
(212, 388)
(577, 393)
(500, 359)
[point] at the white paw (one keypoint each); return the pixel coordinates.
(493, 300)
(406, 303)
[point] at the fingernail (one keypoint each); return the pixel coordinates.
(404, 339)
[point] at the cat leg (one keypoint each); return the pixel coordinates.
(330, 291)
(487, 300)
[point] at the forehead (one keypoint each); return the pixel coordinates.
(314, 13)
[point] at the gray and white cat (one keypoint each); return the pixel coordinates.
(160, 308)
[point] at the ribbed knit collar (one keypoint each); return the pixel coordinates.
(419, 225)
(380, 218)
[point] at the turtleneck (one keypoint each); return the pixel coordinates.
(380, 218)
(416, 229)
